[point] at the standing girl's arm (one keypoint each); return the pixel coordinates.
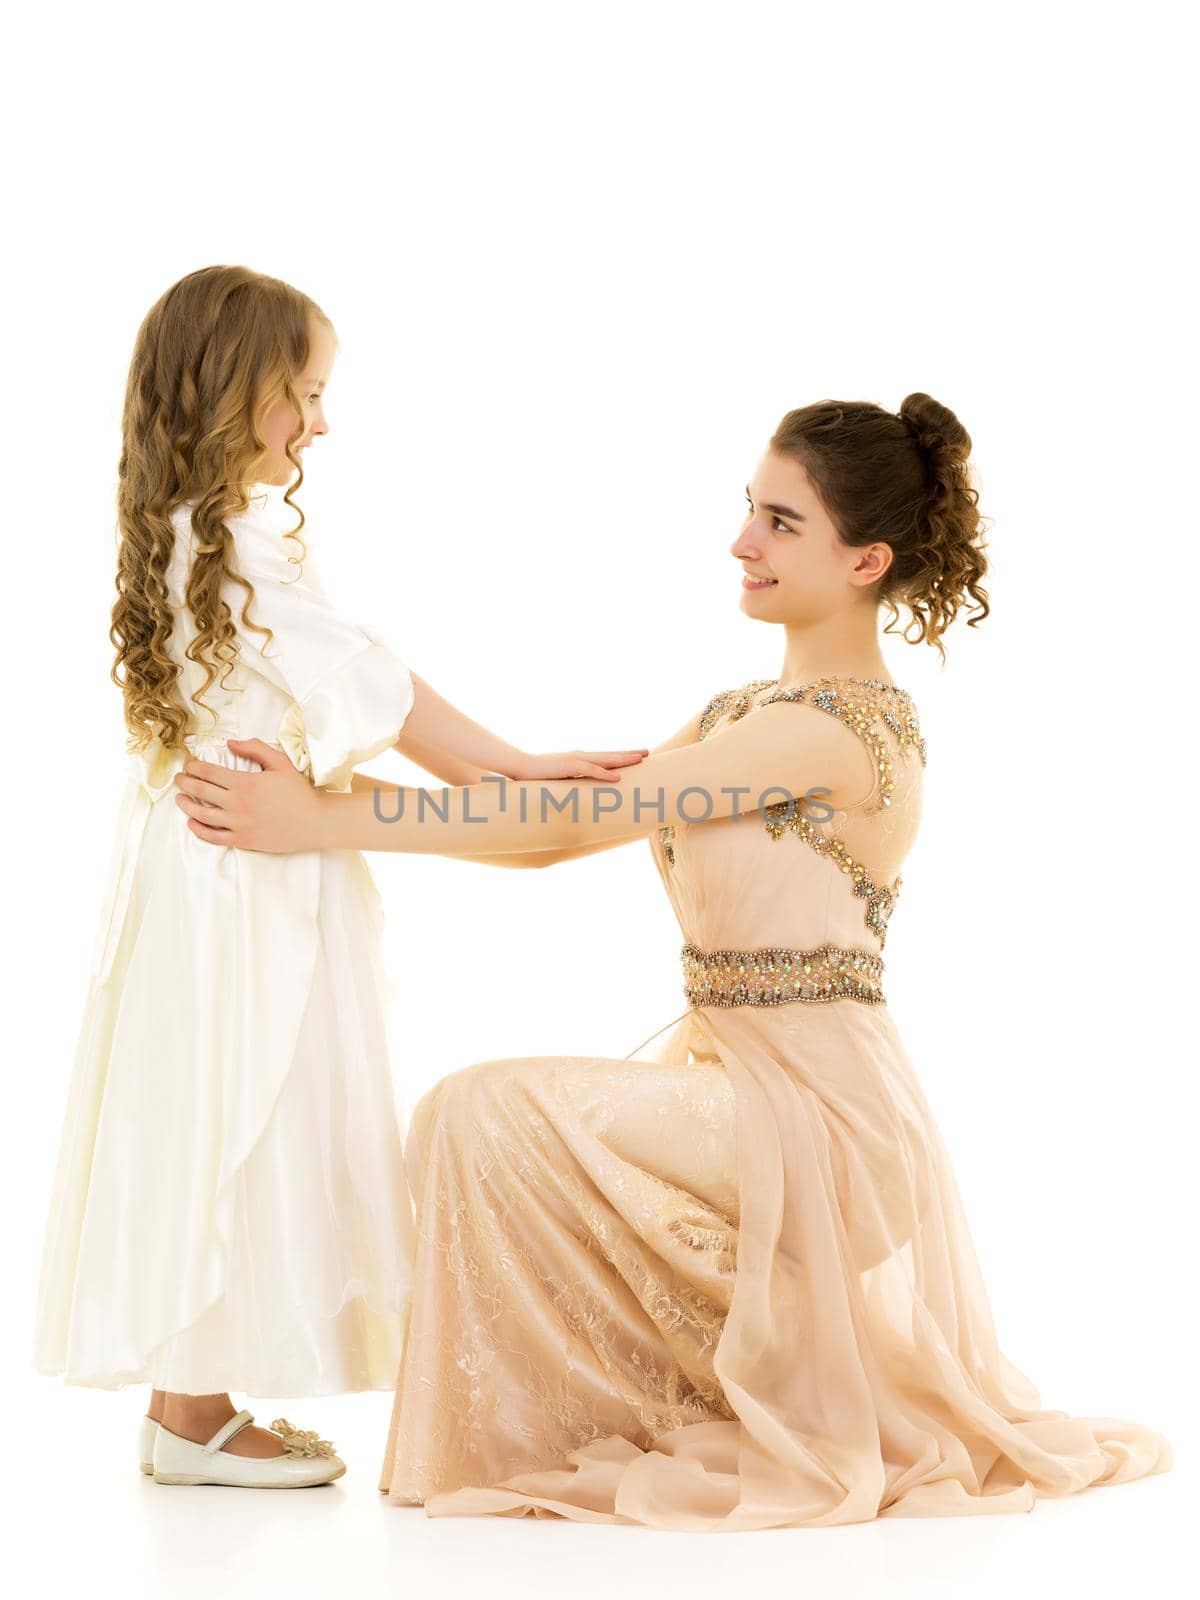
(445, 741)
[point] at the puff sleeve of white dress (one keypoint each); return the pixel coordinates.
(350, 692)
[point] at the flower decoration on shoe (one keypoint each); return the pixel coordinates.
(301, 1442)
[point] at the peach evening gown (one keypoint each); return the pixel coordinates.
(730, 1285)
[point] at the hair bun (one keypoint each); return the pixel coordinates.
(934, 427)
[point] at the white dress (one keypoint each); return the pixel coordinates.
(230, 1209)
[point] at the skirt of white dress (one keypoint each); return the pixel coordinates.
(230, 1209)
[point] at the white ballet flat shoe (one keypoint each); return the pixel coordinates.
(306, 1459)
(146, 1436)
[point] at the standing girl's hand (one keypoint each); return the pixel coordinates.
(276, 810)
(437, 736)
(576, 764)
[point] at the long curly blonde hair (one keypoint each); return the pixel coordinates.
(212, 354)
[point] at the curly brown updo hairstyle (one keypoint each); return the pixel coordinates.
(212, 353)
(902, 479)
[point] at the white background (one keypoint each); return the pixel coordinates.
(581, 259)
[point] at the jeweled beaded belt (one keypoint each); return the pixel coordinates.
(774, 977)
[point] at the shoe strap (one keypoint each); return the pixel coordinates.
(240, 1420)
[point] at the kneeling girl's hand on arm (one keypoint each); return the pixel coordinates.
(778, 750)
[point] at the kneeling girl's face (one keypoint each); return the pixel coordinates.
(795, 566)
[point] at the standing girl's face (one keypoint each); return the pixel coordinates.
(795, 567)
(279, 421)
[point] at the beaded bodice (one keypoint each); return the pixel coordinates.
(810, 878)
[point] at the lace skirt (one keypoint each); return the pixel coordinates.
(576, 1260)
(728, 1288)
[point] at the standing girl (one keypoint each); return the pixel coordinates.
(230, 1210)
